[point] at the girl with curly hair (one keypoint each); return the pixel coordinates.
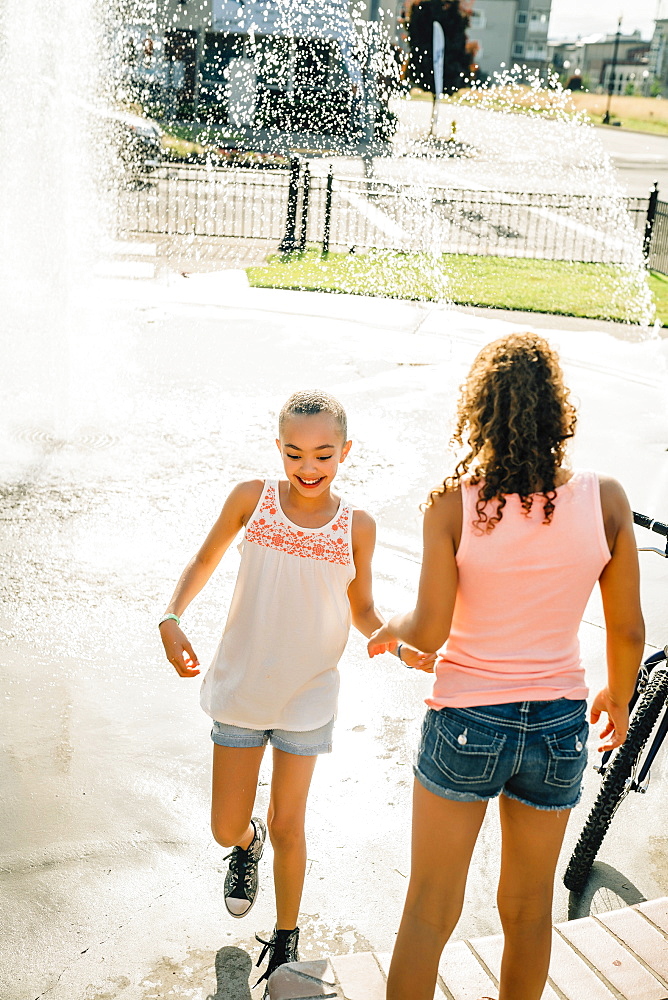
(514, 542)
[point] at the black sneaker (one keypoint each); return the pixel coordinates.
(241, 880)
(282, 948)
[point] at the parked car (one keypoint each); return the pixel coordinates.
(139, 143)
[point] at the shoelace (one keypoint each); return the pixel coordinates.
(240, 870)
(278, 947)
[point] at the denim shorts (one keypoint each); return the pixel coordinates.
(314, 741)
(532, 751)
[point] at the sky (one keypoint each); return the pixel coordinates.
(570, 18)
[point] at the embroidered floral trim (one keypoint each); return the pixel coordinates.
(329, 545)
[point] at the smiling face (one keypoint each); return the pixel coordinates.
(312, 448)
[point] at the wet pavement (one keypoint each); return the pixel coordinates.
(111, 885)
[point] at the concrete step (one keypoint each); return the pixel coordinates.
(621, 955)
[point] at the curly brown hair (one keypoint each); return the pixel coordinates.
(515, 416)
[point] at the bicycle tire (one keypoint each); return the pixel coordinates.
(614, 781)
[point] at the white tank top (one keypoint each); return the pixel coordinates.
(288, 623)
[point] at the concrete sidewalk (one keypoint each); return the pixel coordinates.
(110, 884)
(621, 955)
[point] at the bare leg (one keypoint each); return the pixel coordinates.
(290, 784)
(235, 773)
(444, 835)
(531, 840)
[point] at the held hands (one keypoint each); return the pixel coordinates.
(383, 641)
(617, 725)
(415, 658)
(179, 651)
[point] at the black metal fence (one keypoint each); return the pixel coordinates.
(298, 207)
(502, 223)
(203, 202)
(658, 245)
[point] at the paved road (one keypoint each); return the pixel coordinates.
(639, 159)
(517, 152)
(110, 884)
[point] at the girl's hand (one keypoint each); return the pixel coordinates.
(417, 660)
(618, 720)
(382, 641)
(179, 651)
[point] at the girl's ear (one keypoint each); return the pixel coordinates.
(278, 443)
(344, 451)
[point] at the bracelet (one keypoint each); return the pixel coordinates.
(397, 652)
(167, 618)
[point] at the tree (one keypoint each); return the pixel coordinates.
(454, 17)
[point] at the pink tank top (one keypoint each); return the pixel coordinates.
(521, 593)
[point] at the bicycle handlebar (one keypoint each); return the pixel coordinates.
(648, 522)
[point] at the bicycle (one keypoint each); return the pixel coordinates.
(626, 773)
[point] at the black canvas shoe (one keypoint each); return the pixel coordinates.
(282, 948)
(241, 880)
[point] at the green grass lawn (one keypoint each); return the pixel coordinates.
(637, 114)
(594, 291)
(635, 124)
(658, 284)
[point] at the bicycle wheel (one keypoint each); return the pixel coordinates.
(615, 782)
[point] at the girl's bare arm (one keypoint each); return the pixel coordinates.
(365, 615)
(236, 511)
(427, 626)
(625, 628)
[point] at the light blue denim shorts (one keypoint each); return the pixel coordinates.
(308, 744)
(532, 751)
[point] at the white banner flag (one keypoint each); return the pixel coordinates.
(438, 58)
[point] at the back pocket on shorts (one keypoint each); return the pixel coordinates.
(465, 755)
(566, 757)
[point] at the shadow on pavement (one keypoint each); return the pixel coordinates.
(606, 889)
(233, 966)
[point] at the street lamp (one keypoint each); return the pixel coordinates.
(611, 76)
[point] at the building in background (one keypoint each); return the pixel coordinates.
(258, 64)
(510, 32)
(658, 57)
(631, 78)
(286, 66)
(501, 33)
(590, 59)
